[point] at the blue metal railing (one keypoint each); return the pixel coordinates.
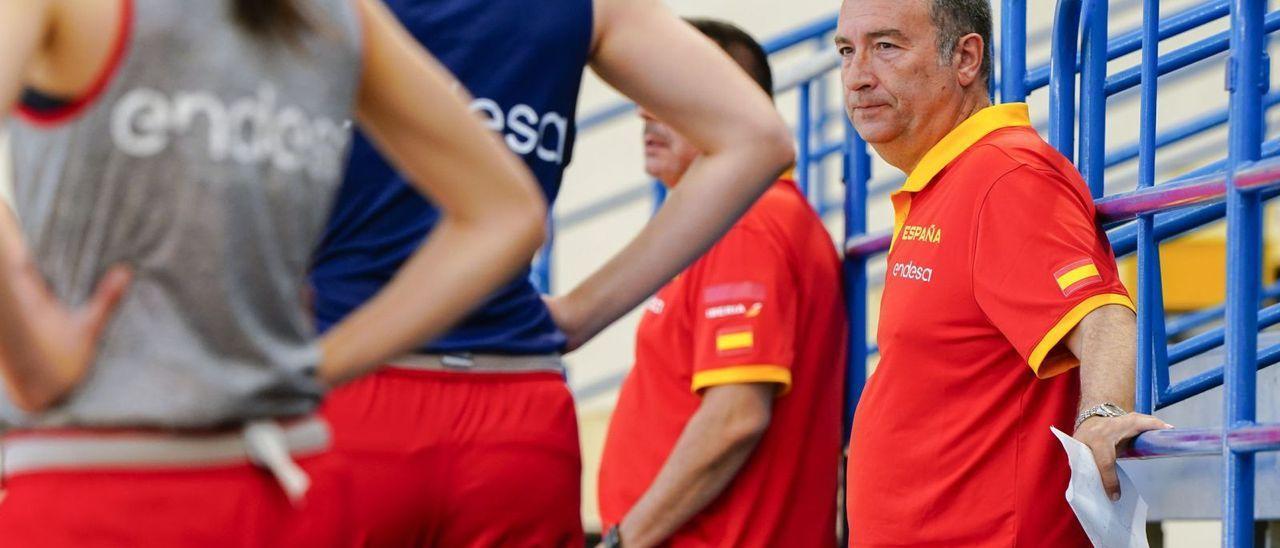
(1234, 188)
(1246, 82)
(818, 114)
(1016, 82)
(1015, 87)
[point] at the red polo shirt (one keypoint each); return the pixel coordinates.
(996, 257)
(763, 305)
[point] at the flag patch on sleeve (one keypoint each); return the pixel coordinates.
(1074, 276)
(734, 339)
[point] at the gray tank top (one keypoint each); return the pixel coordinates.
(208, 163)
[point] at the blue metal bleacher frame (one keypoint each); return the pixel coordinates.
(1233, 188)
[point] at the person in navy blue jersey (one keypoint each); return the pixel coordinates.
(472, 439)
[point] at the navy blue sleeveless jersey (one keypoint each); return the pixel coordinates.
(522, 61)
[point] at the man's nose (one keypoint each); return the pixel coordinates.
(645, 114)
(855, 73)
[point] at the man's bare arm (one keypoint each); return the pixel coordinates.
(713, 447)
(662, 63)
(1105, 341)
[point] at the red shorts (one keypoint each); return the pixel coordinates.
(236, 505)
(461, 459)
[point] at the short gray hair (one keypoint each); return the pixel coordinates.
(953, 19)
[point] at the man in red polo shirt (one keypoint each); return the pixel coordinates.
(999, 285)
(727, 430)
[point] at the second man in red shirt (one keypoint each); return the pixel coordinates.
(727, 430)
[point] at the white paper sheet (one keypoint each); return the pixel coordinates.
(1120, 524)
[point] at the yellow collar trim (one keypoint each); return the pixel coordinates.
(962, 137)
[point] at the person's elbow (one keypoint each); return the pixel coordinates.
(30, 404)
(769, 140)
(523, 216)
(761, 140)
(781, 146)
(745, 413)
(747, 429)
(509, 215)
(766, 140)
(31, 399)
(534, 225)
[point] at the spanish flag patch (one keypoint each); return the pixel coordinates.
(734, 339)
(1079, 274)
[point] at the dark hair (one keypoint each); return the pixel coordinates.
(270, 19)
(744, 49)
(954, 19)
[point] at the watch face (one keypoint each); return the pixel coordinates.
(1113, 410)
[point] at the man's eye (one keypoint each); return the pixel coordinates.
(844, 51)
(882, 46)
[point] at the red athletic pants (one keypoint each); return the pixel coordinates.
(214, 507)
(461, 459)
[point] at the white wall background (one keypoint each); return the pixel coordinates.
(608, 160)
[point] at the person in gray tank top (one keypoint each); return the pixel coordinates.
(174, 162)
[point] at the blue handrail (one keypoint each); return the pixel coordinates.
(1234, 188)
(1205, 187)
(815, 32)
(1015, 87)
(1192, 442)
(1093, 105)
(1013, 59)
(1244, 264)
(1140, 219)
(1131, 41)
(1185, 56)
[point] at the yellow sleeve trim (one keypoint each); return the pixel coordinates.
(741, 374)
(1064, 326)
(1077, 274)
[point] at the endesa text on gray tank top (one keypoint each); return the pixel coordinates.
(208, 164)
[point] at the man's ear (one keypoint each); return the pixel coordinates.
(967, 57)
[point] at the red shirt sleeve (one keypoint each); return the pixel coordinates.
(1041, 264)
(744, 312)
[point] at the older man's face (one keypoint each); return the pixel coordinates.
(893, 78)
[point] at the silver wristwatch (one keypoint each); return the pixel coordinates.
(1101, 410)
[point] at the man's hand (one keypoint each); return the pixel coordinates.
(1104, 435)
(712, 449)
(60, 344)
(1105, 340)
(568, 319)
